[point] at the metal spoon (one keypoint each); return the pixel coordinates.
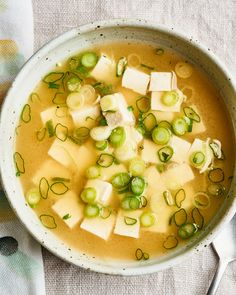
(225, 247)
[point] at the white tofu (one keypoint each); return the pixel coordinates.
(86, 116)
(103, 189)
(201, 146)
(126, 152)
(122, 116)
(149, 152)
(105, 70)
(181, 148)
(156, 103)
(69, 205)
(176, 177)
(133, 135)
(163, 116)
(70, 154)
(154, 181)
(121, 228)
(107, 173)
(163, 81)
(135, 80)
(57, 116)
(99, 226)
(50, 169)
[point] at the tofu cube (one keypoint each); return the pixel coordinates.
(57, 115)
(50, 169)
(163, 116)
(99, 226)
(122, 116)
(86, 116)
(156, 103)
(154, 181)
(163, 81)
(176, 177)
(103, 189)
(105, 70)
(121, 228)
(133, 135)
(126, 152)
(135, 80)
(69, 206)
(181, 148)
(149, 152)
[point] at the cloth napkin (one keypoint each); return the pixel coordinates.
(21, 264)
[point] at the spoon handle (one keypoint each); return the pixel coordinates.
(217, 277)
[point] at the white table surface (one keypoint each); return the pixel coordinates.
(213, 23)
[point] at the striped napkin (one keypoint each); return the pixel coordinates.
(21, 264)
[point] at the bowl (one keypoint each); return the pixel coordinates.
(41, 63)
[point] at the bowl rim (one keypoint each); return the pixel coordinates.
(62, 38)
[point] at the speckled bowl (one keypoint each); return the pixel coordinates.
(42, 62)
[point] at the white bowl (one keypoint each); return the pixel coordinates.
(42, 62)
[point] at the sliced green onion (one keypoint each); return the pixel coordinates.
(187, 230)
(40, 134)
(19, 163)
(91, 210)
(33, 197)
(216, 189)
(145, 256)
(44, 188)
(48, 221)
(53, 77)
(117, 137)
(139, 254)
(149, 122)
(180, 127)
(180, 197)
(191, 114)
(61, 132)
(147, 67)
(165, 153)
(143, 104)
(101, 145)
(180, 217)
(201, 200)
(129, 220)
(26, 114)
(130, 108)
(198, 219)
(216, 175)
(105, 212)
(52, 85)
(137, 185)
(189, 123)
(216, 149)
(170, 98)
(130, 203)
(93, 172)
(147, 219)
(88, 195)
(143, 201)
(50, 128)
(59, 188)
(161, 135)
(120, 67)
(83, 71)
(160, 168)
(66, 216)
(120, 180)
(103, 89)
(89, 59)
(159, 51)
(165, 124)
(82, 132)
(73, 84)
(170, 242)
(75, 100)
(34, 97)
(137, 167)
(16, 129)
(168, 198)
(73, 63)
(197, 158)
(59, 98)
(61, 179)
(105, 160)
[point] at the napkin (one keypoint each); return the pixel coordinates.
(21, 264)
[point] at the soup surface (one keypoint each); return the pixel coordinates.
(125, 151)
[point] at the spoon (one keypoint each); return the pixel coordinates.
(225, 247)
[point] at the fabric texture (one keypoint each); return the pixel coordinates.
(21, 264)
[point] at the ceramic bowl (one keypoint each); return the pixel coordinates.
(42, 62)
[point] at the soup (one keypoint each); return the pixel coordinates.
(125, 151)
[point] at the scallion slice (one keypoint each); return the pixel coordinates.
(19, 164)
(198, 219)
(91, 210)
(201, 200)
(143, 104)
(75, 100)
(216, 189)
(59, 98)
(117, 137)
(61, 132)
(66, 216)
(50, 128)
(105, 212)
(120, 180)
(33, 197)
(53, 77)
(73, 84)
(93, 172)
(180, 217)
(170, 242)
(61, 179)
(180, 197)
(189, 123)
(149, 122)
(147, 67)
(137, 185)
(130, 203)
(105, 160)
(159, 51)
(121, 65)
(187, 230)
(168, 198)
(59, 188)
(129, 220)
(26, 114)
(191, 114)
(170, 98)
(180, 127)
(44, 188)
(82, 132)
(137, 167)
(89, 59)
(40, 134)
(165, 153)
(216, 175)
(216, 149)
(143, 202)
(139, 254)
(165, 124)
(48, 221)
(34, 97)
(101, 145)
(147, 219)
(161, 135)
(197, 158)
(88, 195)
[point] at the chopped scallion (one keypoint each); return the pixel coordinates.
(165, 153)
(149, 122)
(187, 230)
(91, 210)
(161, 135)
(168, 198)
(129, 220)
(216, 189)
(117, 137)
(198, 219)
(180, 127)
(105, 160)
(191, 114)
(93, 172)
(59, 188)
(89, 59)
(59, 98)
(197, 158)
(180, 197)
(147, 219)
(61, 132)
(120, 180)
(137, 185)
(50, 128)
(143, 104)
(26, 113)
(120, 67)
(43, 188)
(33, 197)
(137, 167)
(170, 98)
(130, 203)
(40, 134)
(48, 221)
(180, 217)
(88, 195)
(53, 77)
(170, 242)
(105, 212)
(216, 175)
(19, 164)
(101, 145)
(201, 200)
